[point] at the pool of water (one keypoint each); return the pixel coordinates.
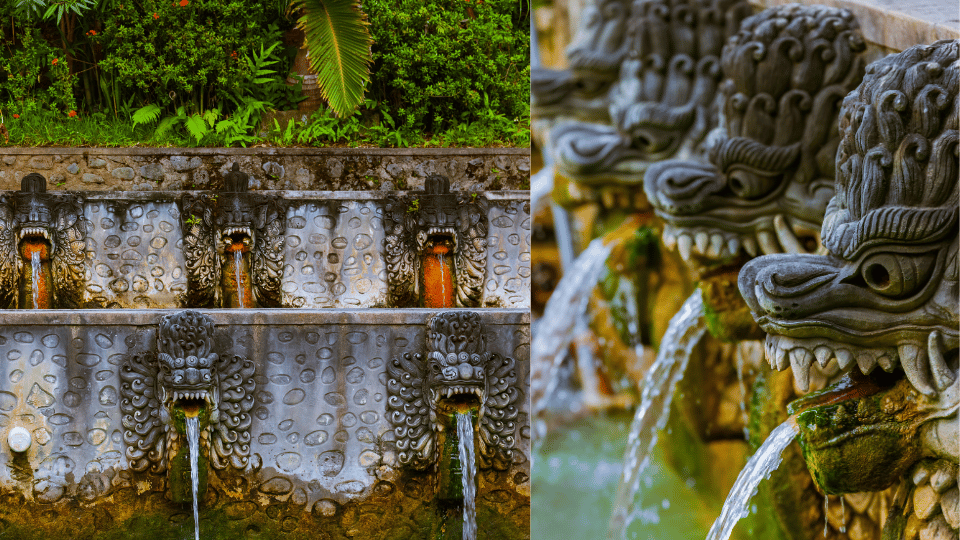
(575, 475)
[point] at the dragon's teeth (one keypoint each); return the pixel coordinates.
(823, 354)
(716, 246)
(942, 375)
(913, 358)
(750, 246)
(844, 358)
(867, 362)
(886, 361)
(800, 360)
(684, 245)
(701, 240)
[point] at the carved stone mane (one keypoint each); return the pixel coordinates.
(456, 362)
(184, 364)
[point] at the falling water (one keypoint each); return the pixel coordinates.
(765, 461)
(684, 332)
(566, 306)
(35, 263)
(238, 271)
(193, 437)
(468, 474)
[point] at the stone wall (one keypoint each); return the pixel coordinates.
(167, 169)
(320, 429)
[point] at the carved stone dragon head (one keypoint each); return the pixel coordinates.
(886, 294)
(770, 172)
(186, 372)
(594, 57)
(457, 366)
(52, 222)
(661, 106)
(233, 220)
(437, 215)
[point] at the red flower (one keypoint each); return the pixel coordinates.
(184, 3)
(55, 61)
(71, 114)
(16, 116)
(155, 16)
(233, 54)
(92, 33)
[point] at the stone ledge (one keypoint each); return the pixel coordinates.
(896, 24)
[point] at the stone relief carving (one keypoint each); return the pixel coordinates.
(770, 171)
(184, 366)
(55, 219)
(211, 223)
(456, 363)
(662, 104)
(885, 294)
(411, 222)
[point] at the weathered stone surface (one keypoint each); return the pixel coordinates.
(309, 169)
(41, 163)
(89, 178)
(925, 501)
(183, 163)
(950, 504)
(123, 173)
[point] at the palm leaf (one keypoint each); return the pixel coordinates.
(339, 42)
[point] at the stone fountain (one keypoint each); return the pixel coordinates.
(303, 396)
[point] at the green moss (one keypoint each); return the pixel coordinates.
(181, 484)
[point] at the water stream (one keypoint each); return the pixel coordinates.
(193, 438)
(684, 332)
(567, 305)
(238, 272)
(35, 264)
(468, 474)
(761, 464)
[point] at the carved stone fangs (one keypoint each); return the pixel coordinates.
(184, 366)
(58, 220)
(208, 224)
(410, 221)
(456, 362)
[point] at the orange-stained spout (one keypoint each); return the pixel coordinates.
(438, 287)
(36, 290)
(237, 285)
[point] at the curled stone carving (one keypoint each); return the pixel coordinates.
(594, 58)
(885, 294)
(410, 222)
(184, 366)
(770, 171)
(662, 104)
(456, 363)
(211, 223)
(56, 219)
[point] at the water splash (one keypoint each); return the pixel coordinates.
(35, 264)
(567, 305)
(238, 272)
(443, 275)
(193, 438)
(765, 461)
(468, 474)
(684, 332)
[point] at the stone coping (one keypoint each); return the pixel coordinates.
(253, 317)
(896, 24)
(289, 195)
(268, 151)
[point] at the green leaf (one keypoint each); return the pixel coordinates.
(336, 33)
(165, 125)
(197, 127)
(146, 114)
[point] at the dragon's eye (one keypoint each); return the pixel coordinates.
(896, 275)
